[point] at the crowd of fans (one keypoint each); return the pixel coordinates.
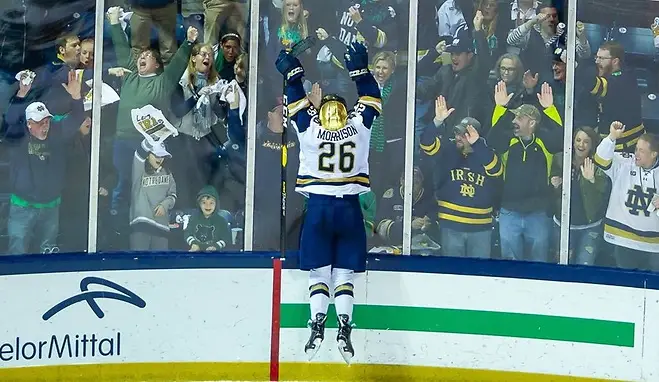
(489, 117)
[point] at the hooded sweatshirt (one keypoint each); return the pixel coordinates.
(211, 231)
(149, 191)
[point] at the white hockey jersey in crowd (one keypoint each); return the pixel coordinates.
(334, 162)
(631, 220)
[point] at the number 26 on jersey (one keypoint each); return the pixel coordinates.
(336, 154)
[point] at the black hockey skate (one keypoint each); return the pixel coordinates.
(343, 338)
(317, 335)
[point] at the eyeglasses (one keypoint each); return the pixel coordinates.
(205, 54)
(507, 69)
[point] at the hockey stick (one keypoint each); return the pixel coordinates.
(295, 51)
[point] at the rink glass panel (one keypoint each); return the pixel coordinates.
(44, 175)
(629, 29)
(324, 65)
(470, 212)
(206, 146)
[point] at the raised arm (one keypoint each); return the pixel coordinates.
(69, 127)
(13, 126)
(551, 131)
(605, 157)
(430, 140)
(384, 34)
(501, 132)
(174, 71)
(297, 105)
(484, 155)
(121, 46)
(369, 104)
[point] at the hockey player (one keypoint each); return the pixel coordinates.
(333, 172)
(632, 221)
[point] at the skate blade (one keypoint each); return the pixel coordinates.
(347, 356)
(311, 353)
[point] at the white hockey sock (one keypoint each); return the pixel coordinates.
(343, 279)
(319, 281)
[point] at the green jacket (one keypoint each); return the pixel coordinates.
(593, 195)
(138, 91)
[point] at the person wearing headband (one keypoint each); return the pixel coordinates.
(228, 51)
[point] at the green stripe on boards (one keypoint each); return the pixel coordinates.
(503, 324)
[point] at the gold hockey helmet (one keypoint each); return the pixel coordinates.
(333, 112)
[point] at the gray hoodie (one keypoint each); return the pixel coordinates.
(151, 190)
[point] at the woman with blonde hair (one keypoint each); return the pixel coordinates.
(289, 30)
(293, 28)
(388, 130)
(285, 32)
(197, 141)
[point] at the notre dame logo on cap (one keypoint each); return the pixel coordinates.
(41, 108)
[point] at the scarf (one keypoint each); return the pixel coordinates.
(201, 121)
(289, 36)
(378, 139)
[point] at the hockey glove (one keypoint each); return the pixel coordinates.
(356, 59)
(289, 66)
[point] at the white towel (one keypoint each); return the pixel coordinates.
(224, 89)
(28, 79)
(124, 17)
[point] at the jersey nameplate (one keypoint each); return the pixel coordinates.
(336, 136)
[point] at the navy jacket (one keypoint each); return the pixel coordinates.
(38, 168)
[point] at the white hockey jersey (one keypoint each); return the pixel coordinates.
(631, 220)
(334, 162)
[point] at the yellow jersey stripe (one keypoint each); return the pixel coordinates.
(463, 220)
(601, 162)
(596, 89)
(433, 148)
(491, 165)
(630, 235)
(296, 106)
(375, 103)
(330, 180)
(605, 87)
(469, 210)
(381, 39)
